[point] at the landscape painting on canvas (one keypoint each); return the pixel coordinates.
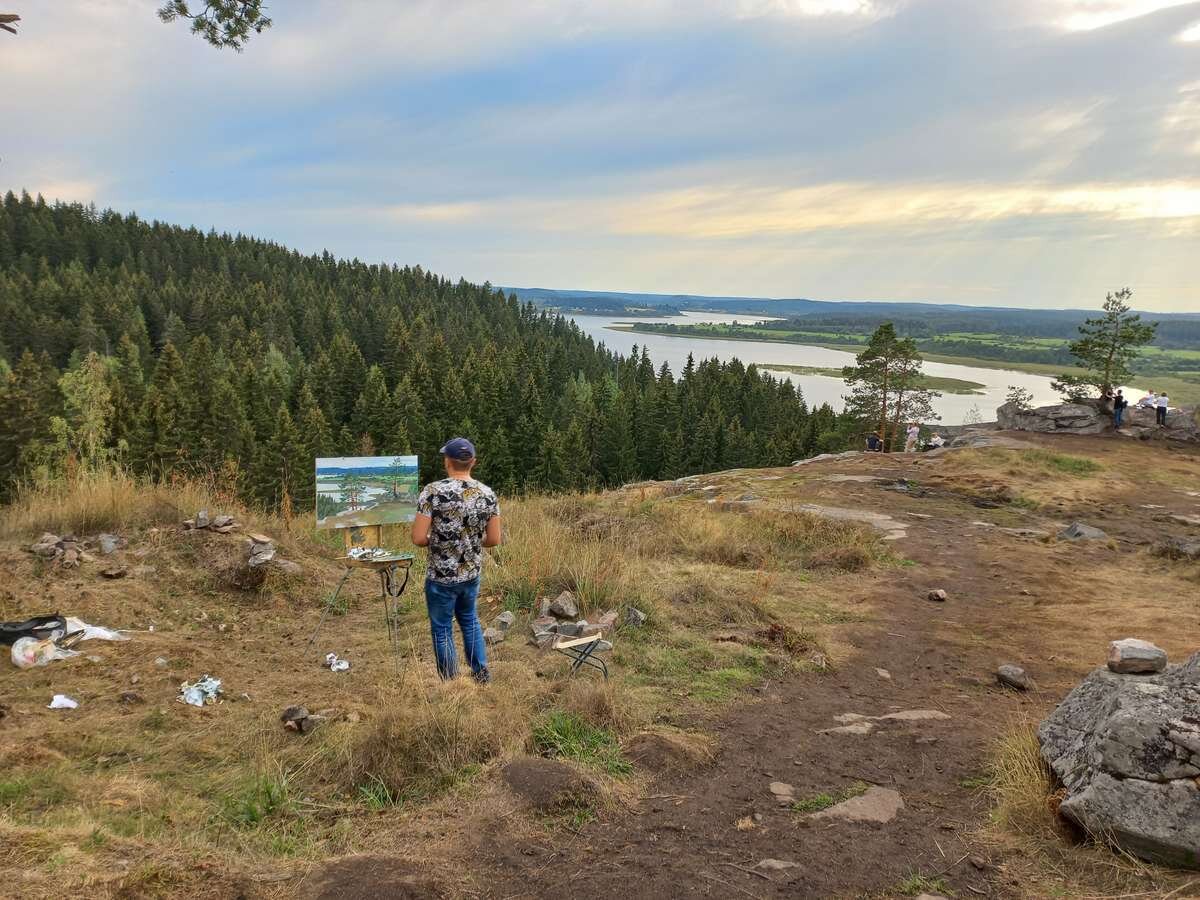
(366, 490)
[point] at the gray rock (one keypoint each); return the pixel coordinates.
(1132, 656)
(1125, 750)
(635, 617)
(1063, 418)
(1177, 548)
(493, 635)
(288, 567)
(938, 596)
(260, 553)
(775, 865)
(505, 620)
(202, 520)
(108, 543)
(877, 805)
(782, 791)
(46, 546)
(160, 662)
(221, 521)
(565, 606)
(570, 629)
(1014, 677)
(1077, 531)
(544, 607)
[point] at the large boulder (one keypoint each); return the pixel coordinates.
(1182, 424)
(1127, 750)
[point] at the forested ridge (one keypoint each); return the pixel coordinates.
(174, 351)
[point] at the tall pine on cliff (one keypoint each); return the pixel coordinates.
(230, 355)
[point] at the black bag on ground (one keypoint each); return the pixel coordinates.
(39, 627)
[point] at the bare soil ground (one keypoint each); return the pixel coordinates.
(1048, 605)
(152, 798)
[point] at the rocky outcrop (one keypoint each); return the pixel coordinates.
(1127, 750)
(1065, 418)
(1090, 418)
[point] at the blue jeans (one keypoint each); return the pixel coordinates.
(447, 602)
(1117, 414)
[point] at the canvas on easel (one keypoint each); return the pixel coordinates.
(366, 492)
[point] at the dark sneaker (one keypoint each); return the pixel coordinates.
(483, 676)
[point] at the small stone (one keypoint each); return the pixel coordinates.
(544, 623)
(505, 620)
(70, 558)
(635, 618)
(161, 662)
(879, 805)
(884, 674)
(202, 520)
(783, 791)
(571, 629)
(288, 567)
(938, 596)
(1132, 656)
(978, 862)
(134, 679)
(108, 543)
(565, 606)
(1014, 677)
(1077, 531)
(543, 639)
(608, 621)
(222, 521)
(775, 865)
(493, 635)
(115, 572)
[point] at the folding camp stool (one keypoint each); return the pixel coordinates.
(582, 652)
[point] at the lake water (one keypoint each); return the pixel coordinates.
(818, 389)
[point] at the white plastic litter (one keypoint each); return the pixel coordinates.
(205, 690)
(94, 632)
(61, 701)
(335, 664)
(28, 652)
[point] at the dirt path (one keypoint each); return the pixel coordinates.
(1009, 598)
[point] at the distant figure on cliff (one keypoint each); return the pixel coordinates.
(1119, 404)
(1149, 401)
(456, 518)
(937, 441)
(874, 444)
(913, 435)
(1160, 413)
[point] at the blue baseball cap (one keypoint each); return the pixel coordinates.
(458, 448)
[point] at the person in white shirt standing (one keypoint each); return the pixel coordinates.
(913, 435)
(1160, 413)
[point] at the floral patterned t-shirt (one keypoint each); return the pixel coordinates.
(460, 511)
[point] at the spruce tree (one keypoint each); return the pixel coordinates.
(1107, 346)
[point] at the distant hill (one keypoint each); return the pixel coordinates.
(1179, 330)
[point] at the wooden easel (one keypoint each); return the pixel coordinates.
(387, 565)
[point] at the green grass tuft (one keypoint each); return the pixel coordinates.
(818, 802)
(569, 736)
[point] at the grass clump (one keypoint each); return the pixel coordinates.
(257, 800)
(818, 802)
(1020, 783)
(416, 752)
(916, 884)
(569, 736)
(1077, 466)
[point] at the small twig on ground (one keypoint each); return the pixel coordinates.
(762, 875)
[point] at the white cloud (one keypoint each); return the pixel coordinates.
(1086, 15)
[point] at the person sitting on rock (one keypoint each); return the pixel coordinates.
(1161, 407)
(874, 444)
(936, 441)
(1148, 402)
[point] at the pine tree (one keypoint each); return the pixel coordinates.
(885, 386)
(1108, 345)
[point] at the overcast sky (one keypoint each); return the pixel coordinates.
(1005, 152)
